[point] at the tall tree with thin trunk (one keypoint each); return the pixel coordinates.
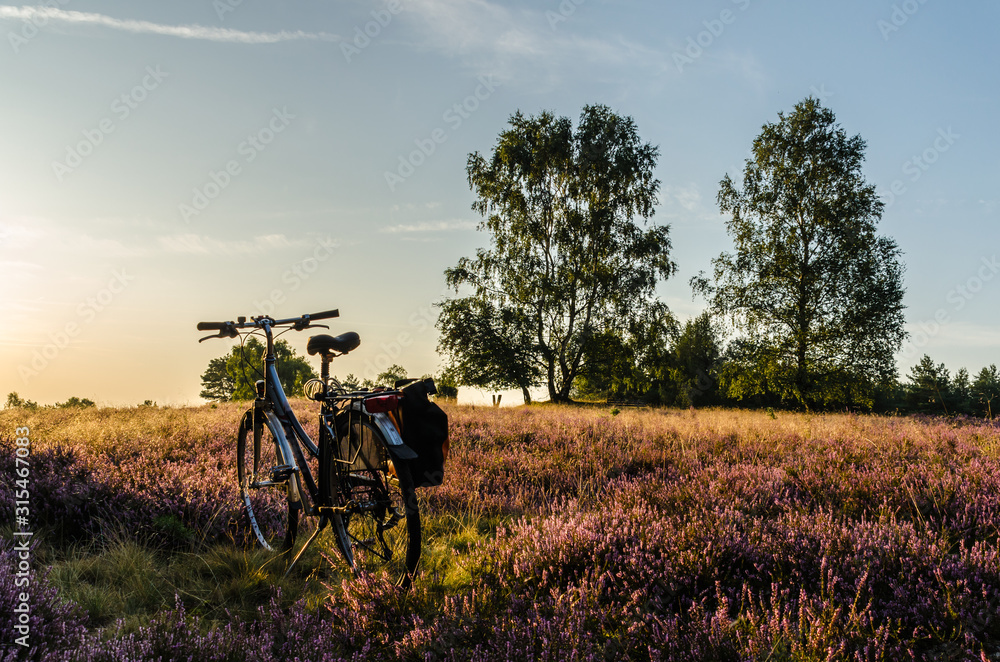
(811, 286)
(567, 260)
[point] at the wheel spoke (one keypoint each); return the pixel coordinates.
(383, 533)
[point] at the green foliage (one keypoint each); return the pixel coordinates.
(961, 392)
(611, 370)
(173, 529)
(75, 402)
(751, 373)
(447, 385)
(230, 377)
(217, 382)
(390, 376)
(659, 362)
(929, 388)
(695, 358)
(490, 347)
(567, 261)
(14, 401)
(816, 291)
(351, 382)
(634, 364)
(985, 390)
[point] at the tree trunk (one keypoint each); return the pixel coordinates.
(800, 372)
(527, 395)
(553, 395)
(564, 392)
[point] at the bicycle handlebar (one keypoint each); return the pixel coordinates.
(212, 326)
(229, 329)
(326, 314)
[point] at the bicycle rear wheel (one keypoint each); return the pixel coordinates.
(271, 501)
(383, 520)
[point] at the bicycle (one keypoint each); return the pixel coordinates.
(364, 491)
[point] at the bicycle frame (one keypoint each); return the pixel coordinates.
(290, 437)
(271, 408)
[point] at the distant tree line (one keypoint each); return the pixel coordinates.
(14, 401)
(931, 389)
(231, 377)
(692, 366)
(805, 312)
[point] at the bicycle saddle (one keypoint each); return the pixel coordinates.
(342, 344)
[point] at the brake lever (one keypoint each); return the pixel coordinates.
(228, 332)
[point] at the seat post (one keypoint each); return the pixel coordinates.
(324, 367)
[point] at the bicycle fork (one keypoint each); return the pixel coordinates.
(285, 473)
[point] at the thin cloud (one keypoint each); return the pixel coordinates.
(18, 237)
(962, 334)
(430, 226)
(545, 44)
(687, 197)
(194, 244)
(224, 35)
(488, 35)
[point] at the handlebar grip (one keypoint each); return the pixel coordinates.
(212, 326)
(324, 315)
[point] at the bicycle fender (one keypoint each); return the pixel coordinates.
(281, 440)
(393, 442)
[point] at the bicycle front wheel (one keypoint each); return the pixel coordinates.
(270, 499)
(383, 520)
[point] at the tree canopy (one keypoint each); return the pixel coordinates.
(228, 377)
(930, 387)
(567, 261)
(986, 389)
(491, 346)
(14, 401)
(813, 292)
(390, 376)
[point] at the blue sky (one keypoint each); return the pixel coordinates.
(166, 163)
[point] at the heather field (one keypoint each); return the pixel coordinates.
(559, 534)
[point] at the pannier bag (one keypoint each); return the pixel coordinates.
(425, 430)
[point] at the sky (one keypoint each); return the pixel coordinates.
(163, 164)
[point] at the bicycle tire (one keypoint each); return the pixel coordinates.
(383, 522)
(272, 510)
(334, 496)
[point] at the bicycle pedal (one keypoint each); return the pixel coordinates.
(282, 473)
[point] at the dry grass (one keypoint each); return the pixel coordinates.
(525, 480)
